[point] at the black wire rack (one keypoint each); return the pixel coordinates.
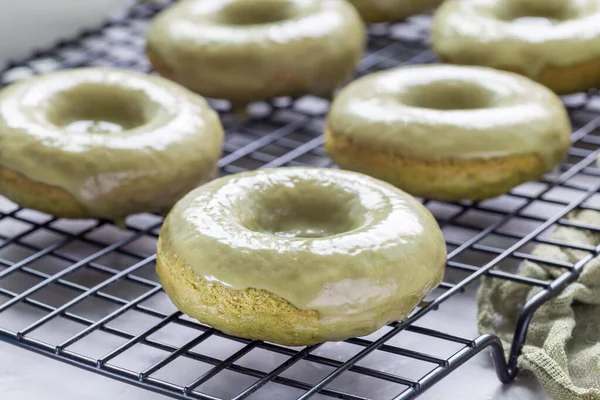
(85, 292)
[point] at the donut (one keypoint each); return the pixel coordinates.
(104, 143)
(247, 50)
(448, 132)
(299, 256)
(556, 43)
(392, 10)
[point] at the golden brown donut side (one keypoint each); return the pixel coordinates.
(562, 80)
(446, 179)
(53, 200)
(576, 78)
(39, 196)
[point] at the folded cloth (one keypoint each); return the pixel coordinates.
(563, 342)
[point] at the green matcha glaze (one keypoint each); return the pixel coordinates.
(442, 111)
(245, 50)
(119, 142)
(350, 247)
(392, 10)
(519, 35)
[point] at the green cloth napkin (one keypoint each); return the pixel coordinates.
(563, 343)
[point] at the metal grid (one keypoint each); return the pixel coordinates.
(66, 285)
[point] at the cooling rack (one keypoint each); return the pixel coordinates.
(85, 292)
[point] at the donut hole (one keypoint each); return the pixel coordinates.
(536, 12)
(304, 211)
(93, 108)
(449, 95)
(256, 12)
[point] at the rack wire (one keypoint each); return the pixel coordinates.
(67, 286)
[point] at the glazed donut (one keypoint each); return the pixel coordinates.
(104, 143)
(448, 132)
(246, 50)
(299, 256)
(392, 10)
(556, 43)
